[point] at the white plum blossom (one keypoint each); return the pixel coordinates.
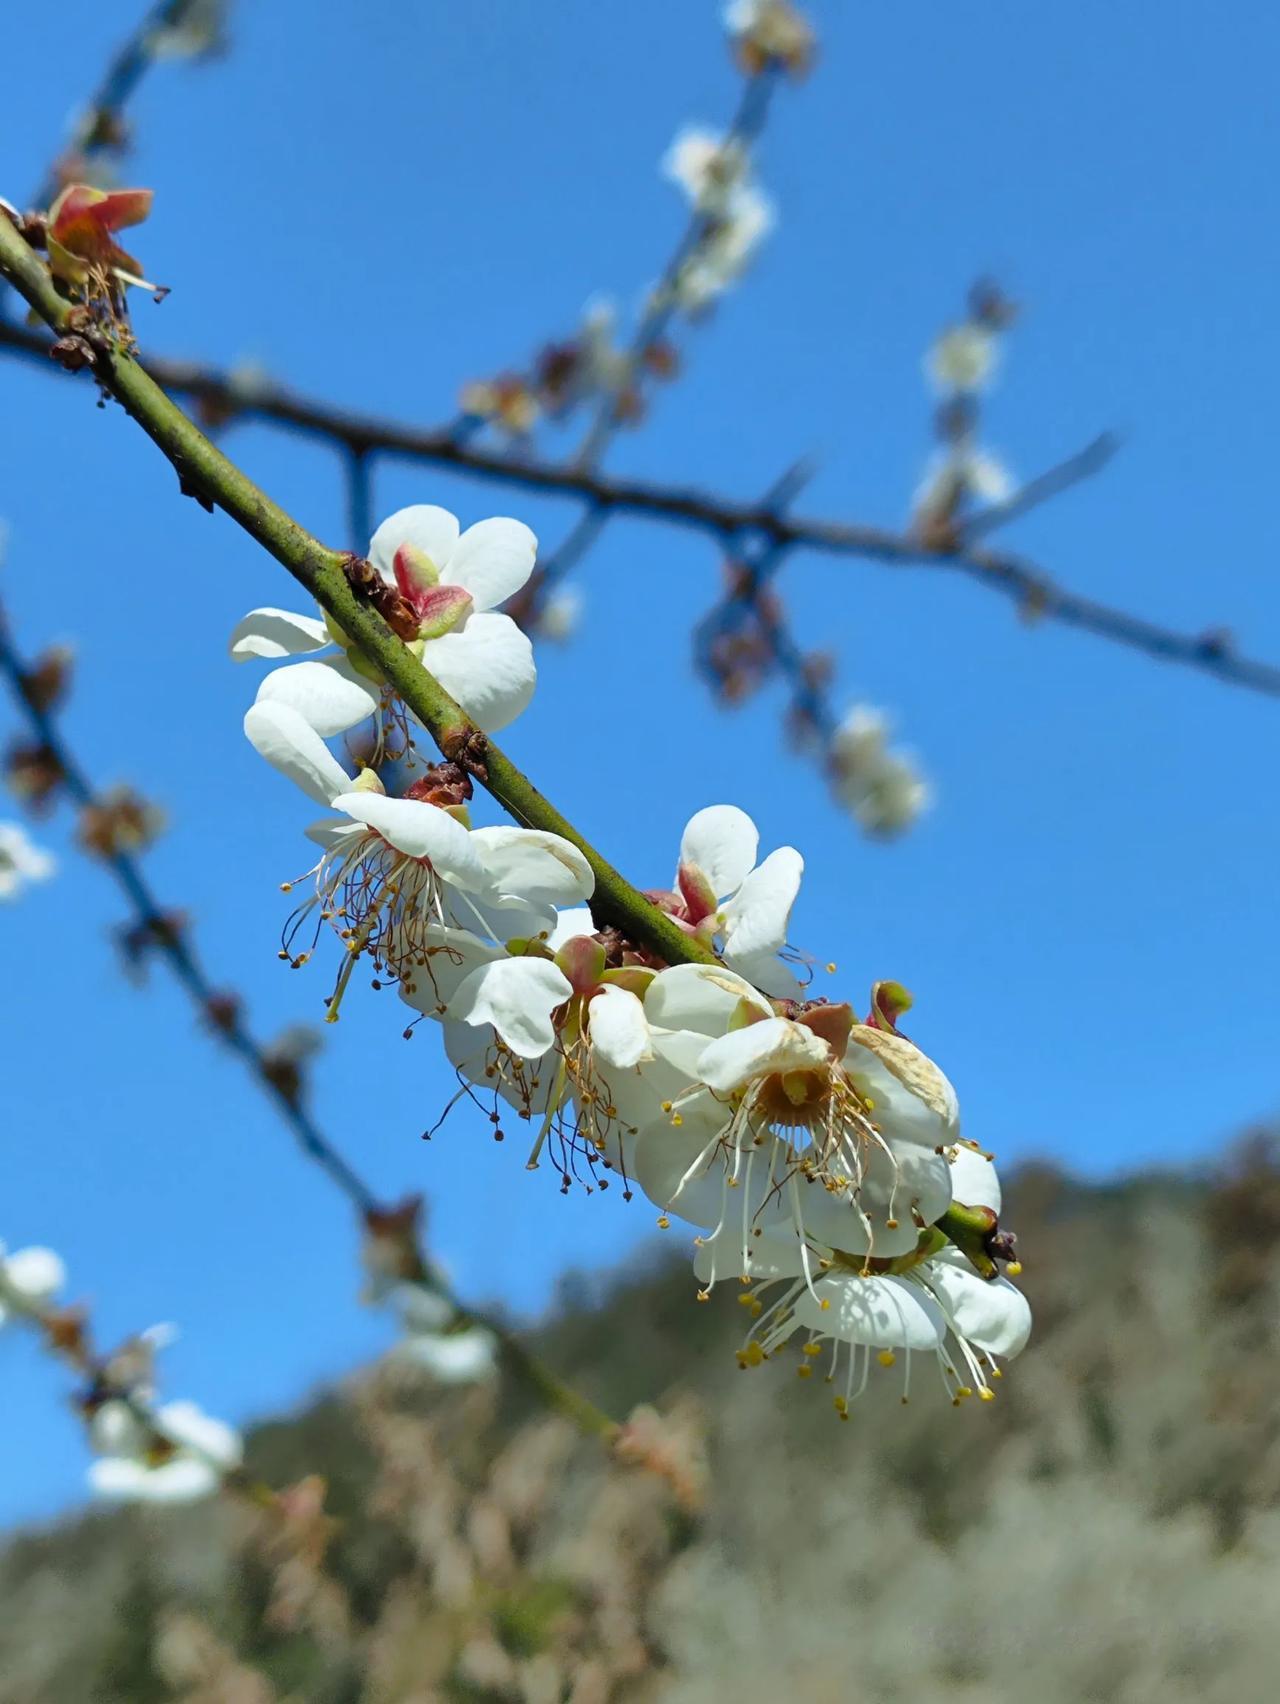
(175, 1453)
(803, 1130)
(963, 358)
(714, 171)
(453, 1351)
(560, 616)
(770, 31)
(392, 869)
(21, 861)
(453, 582)
(882, 788)
(724, 898)
(29, 1278)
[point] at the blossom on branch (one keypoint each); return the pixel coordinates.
(451, 583)
(29, 1280)
(714, 171)
(175, 1453)
(770, 32)
(81, 238)
(881, 787)
(22, 862)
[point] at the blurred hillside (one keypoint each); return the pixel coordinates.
(1109, 1529)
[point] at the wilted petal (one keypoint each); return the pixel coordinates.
(424, 526)
(912, 1101)
(492, 560)
(883, 1313)
(619, 1032)
(487, 665)
(329, 695)
(290, 744)
(760, 1050)
(517, 996)
(756, 918)
(542, 868)
(722, 842)
(419, 830)
(277, 633)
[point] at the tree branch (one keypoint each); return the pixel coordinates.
(204, 472)
(1211, 652)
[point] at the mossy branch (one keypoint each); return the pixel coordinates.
(208, 475)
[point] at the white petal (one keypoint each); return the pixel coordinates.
(186, 1424)
(332, 832)
(38, 1273)
(329, 695)
(699, 997)
(452, 955)
(183, 1480)
(774, 1044)
(543, 868)
(722, 841)
(470, 1052)
(913, 1179)
(993, 1315)
(432, 530)
(277, 633)
(684, 1170)
(492, 560)
(728, 1254)
(487, 665)
(517, 996)
(419, 830)
(420, 1309)
(756, 918)
(767, 972)
(569, 925)
(884, 1313)
(290, 744)
(973, 1178)
(619, 1033)
(456, 1357)
(115, 1430)
(912, 1101)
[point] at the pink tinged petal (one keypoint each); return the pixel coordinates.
(277, 633)
(290, 744)
(697, 893)
(543, 868)
(756, 918)
(721, 842)
(492, 559)
(569, 925)
(440, 610)
(583, 961)
(760, 1050)
(329, 695)
(488, 666)
(424, 526)
(415, 573)
(452, 955)
(883, 1313)
(419, 830)
(994, 1316)
(973, 1178)
(619, 1033)
(700, 997)
(517, 996)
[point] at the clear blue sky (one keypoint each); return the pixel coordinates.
(382, 201)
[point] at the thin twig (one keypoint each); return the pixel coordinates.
(1211, 651)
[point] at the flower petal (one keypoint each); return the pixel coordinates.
(569, 925)
(419, 830)
(529, 863)
(453, 1357)
(973, 1178)
(700, 997)
(492, 560)
(329, 694)
(517, 996)
(756, 918)
(619, 1032)
(722, 842)
(37, 1273)
(912, 1101)
(186, 1424)
(759, 1050)
(728, 1254)
(277, 633)
(451, 956)
(290, 744)
(883, 1313)
(487, 665)
(993, 1315)
(428, 528)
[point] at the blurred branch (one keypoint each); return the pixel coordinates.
(1024, 583)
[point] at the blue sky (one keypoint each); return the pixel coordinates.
(380, 202)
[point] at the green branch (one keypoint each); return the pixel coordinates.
(205, 473)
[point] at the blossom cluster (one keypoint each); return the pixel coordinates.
(22, 862)
(813, 1152)
(961, 475)
(880, 785)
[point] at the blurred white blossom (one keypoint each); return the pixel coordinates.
(22, 862)
(881, 787)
